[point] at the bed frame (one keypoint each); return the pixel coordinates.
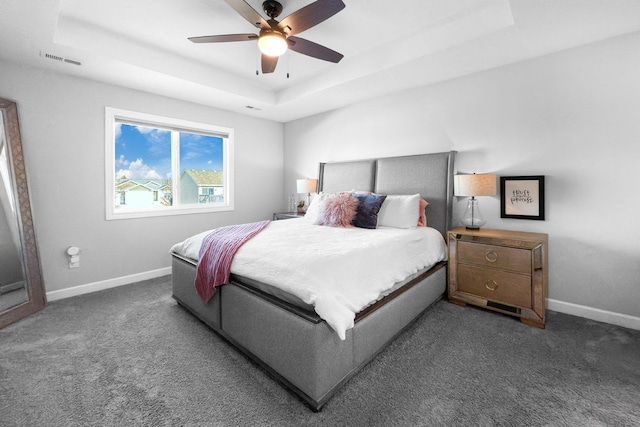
(296, 345)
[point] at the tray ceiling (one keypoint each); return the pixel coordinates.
(388, 46)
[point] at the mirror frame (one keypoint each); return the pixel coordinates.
(37, 299)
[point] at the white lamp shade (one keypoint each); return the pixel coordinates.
(307, 185)
(475, 185)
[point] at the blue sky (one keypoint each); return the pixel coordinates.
(145, 153)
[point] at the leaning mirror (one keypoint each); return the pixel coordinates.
(21, 287)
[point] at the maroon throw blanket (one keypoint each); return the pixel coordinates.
(217, 252)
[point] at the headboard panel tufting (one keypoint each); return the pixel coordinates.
(356, 175)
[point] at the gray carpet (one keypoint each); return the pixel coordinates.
(131, 356)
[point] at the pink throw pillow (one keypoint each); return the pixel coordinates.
(338, 210)
(422, 218)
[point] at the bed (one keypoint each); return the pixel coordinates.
(290, 340)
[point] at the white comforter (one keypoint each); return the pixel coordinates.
(339, 271)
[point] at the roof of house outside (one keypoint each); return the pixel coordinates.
(151, 184)
(204, 177)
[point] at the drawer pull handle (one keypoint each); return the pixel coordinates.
(491, 256)
(493, 284)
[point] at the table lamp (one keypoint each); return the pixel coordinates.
(472, 186)
(307, 186)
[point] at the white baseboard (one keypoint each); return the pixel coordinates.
(11, 287)
(596, 314)
(106, 284)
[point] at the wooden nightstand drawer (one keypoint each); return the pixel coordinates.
(495, 285)
(511, 259)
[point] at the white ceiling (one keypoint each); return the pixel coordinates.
(388, 46)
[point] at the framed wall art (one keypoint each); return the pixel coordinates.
(522, 197)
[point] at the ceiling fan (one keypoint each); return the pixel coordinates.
(276, 36)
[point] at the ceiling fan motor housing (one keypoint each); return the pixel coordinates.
(272, 8)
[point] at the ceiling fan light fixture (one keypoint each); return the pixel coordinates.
(272, 43)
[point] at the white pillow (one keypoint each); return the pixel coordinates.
(314, 207)
(399, 211)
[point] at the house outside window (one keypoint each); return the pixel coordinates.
(201, 186)
(145, 152)
(141, 193)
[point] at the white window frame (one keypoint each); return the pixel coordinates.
(113, 115)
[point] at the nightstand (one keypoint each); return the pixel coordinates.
(286, 215)
(505, 271)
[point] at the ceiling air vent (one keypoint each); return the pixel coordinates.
(60, 58)
(57, 58)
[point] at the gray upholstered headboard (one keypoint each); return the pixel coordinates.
(431, 175)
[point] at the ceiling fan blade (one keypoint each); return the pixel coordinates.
(224, 38)
(310, 16)
(269, 63)
(249, 13)
(315, 50)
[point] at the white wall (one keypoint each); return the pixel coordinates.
(62, 124)
(573, 117)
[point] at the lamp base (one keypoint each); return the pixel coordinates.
(472, 218)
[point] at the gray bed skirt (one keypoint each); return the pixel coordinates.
(295, 345)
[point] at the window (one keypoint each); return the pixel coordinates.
(163, 166)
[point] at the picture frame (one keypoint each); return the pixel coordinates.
(522, 197)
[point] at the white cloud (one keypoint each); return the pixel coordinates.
(146, 130)
(136, 170)
(122, 162)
